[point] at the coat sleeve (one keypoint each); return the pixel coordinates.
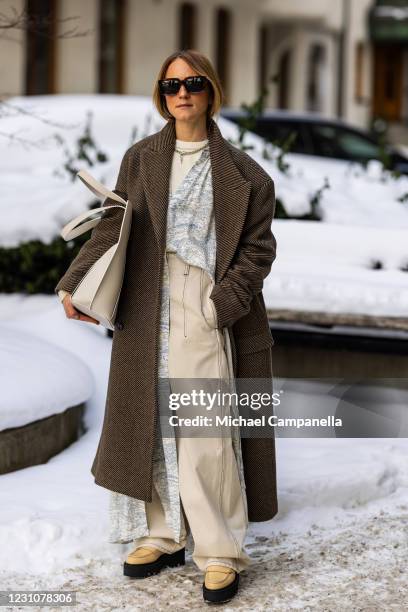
(103, 236)
(62, 294)
(252, 261)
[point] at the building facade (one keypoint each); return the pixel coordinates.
(342, 58)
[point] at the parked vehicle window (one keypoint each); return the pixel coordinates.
(332, 141)
(357, 146)
(279, 131)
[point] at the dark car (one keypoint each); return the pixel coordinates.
(319, 136)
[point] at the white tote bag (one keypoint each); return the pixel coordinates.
(97, 294)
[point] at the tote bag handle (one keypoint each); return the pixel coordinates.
(79, 226)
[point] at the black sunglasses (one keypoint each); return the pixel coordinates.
(193, 84)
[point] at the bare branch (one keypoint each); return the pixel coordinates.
(15, 21)
(8, 109)
(28, 144)
(23, 111)
(40, 25)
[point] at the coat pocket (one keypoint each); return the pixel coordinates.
(254, 342)
(207, 305)
(254, 357)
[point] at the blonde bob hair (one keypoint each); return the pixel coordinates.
(202, 65)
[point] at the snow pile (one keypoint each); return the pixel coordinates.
(38, 379)
(359, 197)
(37, 197)
(333, 268)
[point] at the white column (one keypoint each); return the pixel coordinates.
(298, 68)
(244, 55)
(12, 56)
(151, 35)
(77, 58)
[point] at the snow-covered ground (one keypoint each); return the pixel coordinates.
(341, 531)
(326, 266)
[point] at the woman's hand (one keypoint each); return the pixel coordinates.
(73, 313)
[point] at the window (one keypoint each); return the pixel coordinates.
(223, 32)
(284, 80)
(280, 132)
(263, 58)
(340, 143)
(316, 78)
(40, 41)
(356, 146)
(359, 72)
(111, 45)
(187, 36)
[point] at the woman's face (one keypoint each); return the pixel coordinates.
(185, 106)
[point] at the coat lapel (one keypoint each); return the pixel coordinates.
(231, 190)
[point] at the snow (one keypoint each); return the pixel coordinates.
(39, 205)
(357, 197)
(335, 270)
(341, 530)
(50, 513)
(53, 518)
(319, 266)
(45, 379)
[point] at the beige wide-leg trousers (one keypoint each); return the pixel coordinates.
(212, 500)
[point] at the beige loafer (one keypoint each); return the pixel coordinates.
(144, 554)
(220, 583)
(147, 560)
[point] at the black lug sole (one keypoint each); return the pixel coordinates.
(143, 570)
(221, 595)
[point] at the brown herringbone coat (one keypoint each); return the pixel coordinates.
(244, 203)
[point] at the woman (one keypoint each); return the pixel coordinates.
(191, 307)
